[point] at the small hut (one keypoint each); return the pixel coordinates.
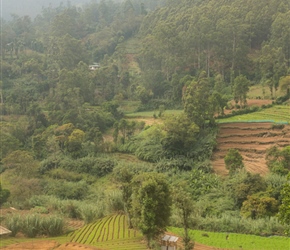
(169, 242)
(4, 231)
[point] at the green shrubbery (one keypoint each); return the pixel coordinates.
(236, 224)
(246, 110)
(32, 225)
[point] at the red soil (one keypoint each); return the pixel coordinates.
(48, 245)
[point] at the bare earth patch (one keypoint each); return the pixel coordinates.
(252, 140)
(48, 245)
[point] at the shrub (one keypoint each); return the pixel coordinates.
(13, 223)
(114, 201)
(235, 224)
(90, 213)
(233, 161)
(60, 173)
(40, 210)
(52, 225)
(278, 126)
(259, 205)
(67, 190)
(30, 225)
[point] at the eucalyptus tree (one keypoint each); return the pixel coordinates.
(272, 65)
(240, 89)
(280, 34)
(197, 101)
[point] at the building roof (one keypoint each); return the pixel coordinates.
(170, 238)
(4, 231)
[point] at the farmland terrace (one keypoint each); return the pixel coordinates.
(252, 141)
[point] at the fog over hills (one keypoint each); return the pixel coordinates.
(32, 7)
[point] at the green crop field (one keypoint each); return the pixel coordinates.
(111, 232)
(278, 113)
(150, 114)
(237, 241)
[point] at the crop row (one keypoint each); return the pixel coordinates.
(109, 228)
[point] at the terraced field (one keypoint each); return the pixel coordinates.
(252, 140)
(277, 113)
(111, 232)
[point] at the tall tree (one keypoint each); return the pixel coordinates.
(284, 209)
(240, 90)
(197, 101)
(280, 34)
(184, 203)
(151, 204)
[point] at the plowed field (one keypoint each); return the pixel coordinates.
(252, 140)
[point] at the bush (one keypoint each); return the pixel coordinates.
(52, 226)
(278, 126)
(32, 225)
(282, 99)
(114, 201)
(67, 190)
(96, 166)
(90, 213)
(233, 161)
(40, 210)
(247, 110)
(60, 173)
(13, 223)
(235, 224)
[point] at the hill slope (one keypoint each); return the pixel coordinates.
(252, 140)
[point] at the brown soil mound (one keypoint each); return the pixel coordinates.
(198, 246)
(252, 140)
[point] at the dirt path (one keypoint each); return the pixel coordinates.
(48, 245)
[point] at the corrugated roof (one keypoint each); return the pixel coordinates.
(170, 238)
(4, 231)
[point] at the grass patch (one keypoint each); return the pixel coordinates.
(146, 114)
(236, 241)
(278, 113)
(262, 92)
(129, 106)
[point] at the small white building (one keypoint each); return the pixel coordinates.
(94, 66)
(169, 242)
(4, 231)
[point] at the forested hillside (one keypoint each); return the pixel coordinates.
(71, 75)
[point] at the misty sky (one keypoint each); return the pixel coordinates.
(30, 7)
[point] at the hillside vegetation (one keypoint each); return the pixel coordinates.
(138, 109)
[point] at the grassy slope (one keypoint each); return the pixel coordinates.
(277, 113)
(237, 241)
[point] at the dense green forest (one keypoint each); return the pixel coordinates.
(69, 75)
